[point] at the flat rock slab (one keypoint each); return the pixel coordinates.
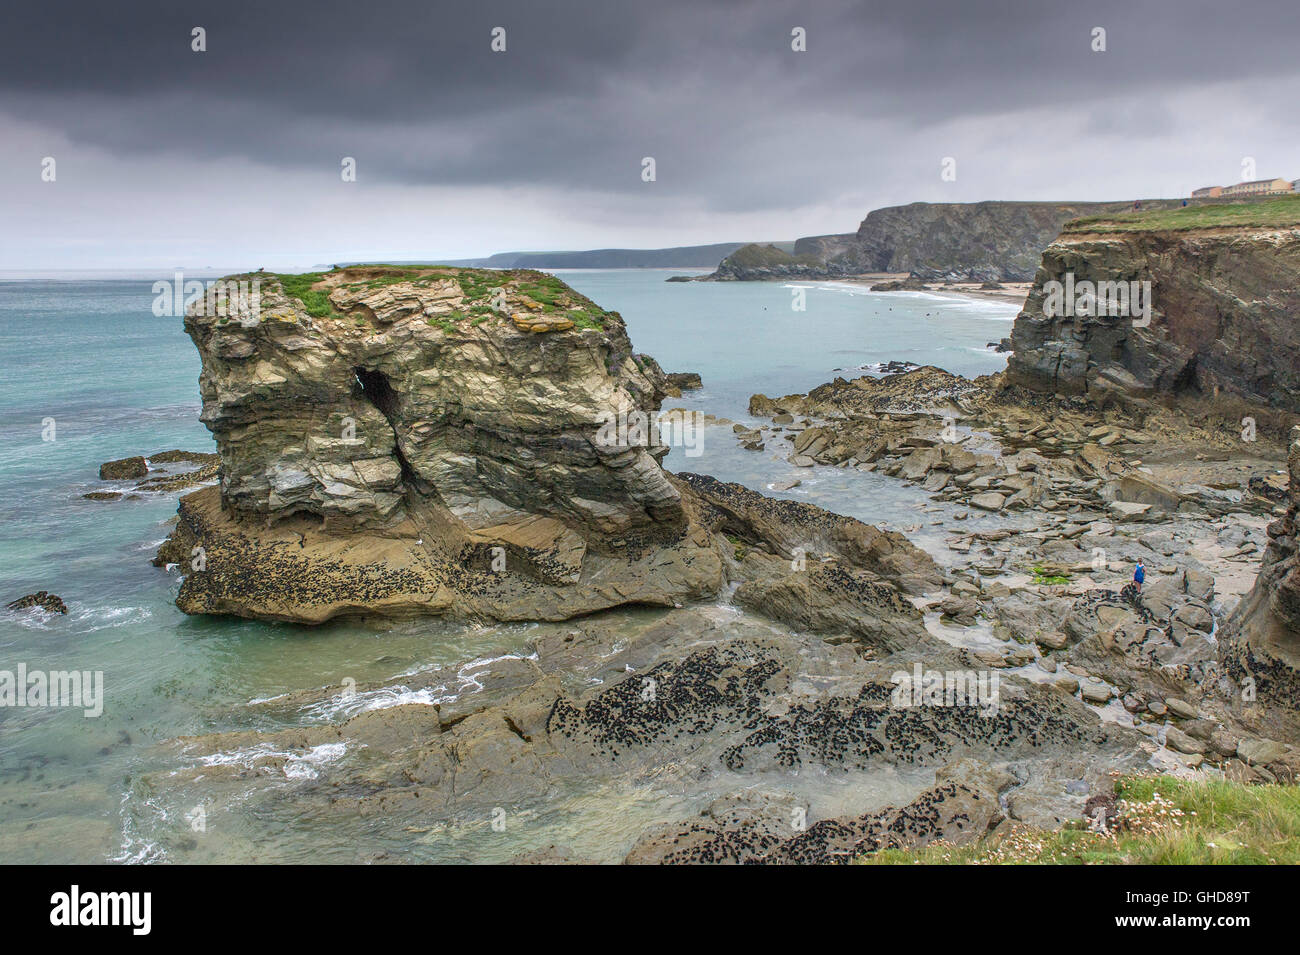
(988, 501)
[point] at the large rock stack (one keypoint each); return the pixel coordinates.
(457, 441)
(418, 389)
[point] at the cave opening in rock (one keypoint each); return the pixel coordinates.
(377, 389)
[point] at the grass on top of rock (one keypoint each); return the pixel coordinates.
(477, 285)
(1279, 212)
(1158, 820)
(554, 296)
(315, 301)
(756, 256)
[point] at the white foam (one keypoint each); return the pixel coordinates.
(304, 767)
(297, 765)
(348, 705)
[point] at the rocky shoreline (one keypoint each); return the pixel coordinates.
(1094, 490)
(762, 693)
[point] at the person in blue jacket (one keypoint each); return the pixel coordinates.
(1139, 575)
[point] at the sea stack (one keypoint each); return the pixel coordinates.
(399, 441)
(423, 440)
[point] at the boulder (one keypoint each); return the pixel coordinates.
(1260, 752)
(988, 501)
(1126, 511)
(124, 469)
(47, 601)
(1181, 742)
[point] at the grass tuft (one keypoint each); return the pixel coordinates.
(315, 301)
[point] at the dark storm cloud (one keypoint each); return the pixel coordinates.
(734, 119)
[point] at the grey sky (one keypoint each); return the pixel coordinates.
(232, 157)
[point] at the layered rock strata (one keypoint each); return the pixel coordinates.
(933, 241)
(1262, 639)
(1221, 317)
(448, 441)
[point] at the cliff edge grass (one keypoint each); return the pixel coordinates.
(538, 289)
(1282, 212)
(400, 441)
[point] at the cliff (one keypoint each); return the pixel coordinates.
(1260, 643)
(400, 383)
(1262, 638)
(436, 440)
(976, 242)
(1224, 290)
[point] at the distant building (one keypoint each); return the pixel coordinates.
(1259, 187)
(1208, 192)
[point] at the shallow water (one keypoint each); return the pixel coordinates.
(117, 381)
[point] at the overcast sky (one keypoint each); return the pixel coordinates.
(232, 157)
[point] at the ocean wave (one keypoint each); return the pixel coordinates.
(348, 705)
(98, 618)
(304, 766)
(297, 765)
(108, 618)
(136, 848)
(466, 679)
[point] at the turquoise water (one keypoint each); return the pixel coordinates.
(745, 337)
(117, 381)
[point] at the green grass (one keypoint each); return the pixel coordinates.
(754, 256)
(1041, 576)
(315, 301)
(1164, 821)
(477, 285)
(583, 319)
(554, 296)
(386, 280)
(1278, 212)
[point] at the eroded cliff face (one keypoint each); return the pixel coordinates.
(411, 387)
(936, 241)
(437, 440)
(976, 241)
(1222, 319)
(1262, 638)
